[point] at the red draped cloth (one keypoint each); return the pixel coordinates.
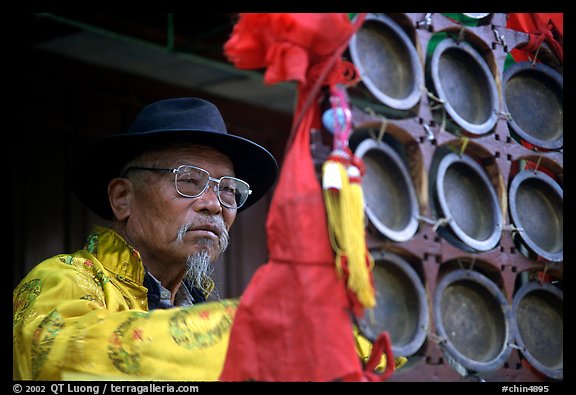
(294, 319)
(541, 27)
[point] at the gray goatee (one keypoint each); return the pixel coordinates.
(199, 265)
(199, 271)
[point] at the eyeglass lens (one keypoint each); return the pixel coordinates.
(192, 181)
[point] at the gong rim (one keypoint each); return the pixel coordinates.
(468, 236)
(457, 59)
(395, 97)
(400, 222)
(548, 297)
(469, 293)
(547, 86)
(546, 194)
(476, 15)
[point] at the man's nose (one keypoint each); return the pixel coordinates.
(210, 197)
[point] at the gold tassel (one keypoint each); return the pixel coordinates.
(345, 213)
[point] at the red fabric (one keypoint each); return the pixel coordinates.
(294, 319)
(542, 27)
(382, 345)
(285, 44)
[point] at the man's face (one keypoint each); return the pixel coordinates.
(162, 224)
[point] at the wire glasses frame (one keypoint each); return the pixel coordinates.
(191, 181)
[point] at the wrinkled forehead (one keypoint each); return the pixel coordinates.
(178, 154)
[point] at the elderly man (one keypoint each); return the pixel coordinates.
(128, 305)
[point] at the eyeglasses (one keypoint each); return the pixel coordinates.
(192, 181)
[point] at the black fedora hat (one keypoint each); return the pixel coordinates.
(185, 120)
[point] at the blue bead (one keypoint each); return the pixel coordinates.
(329, 122)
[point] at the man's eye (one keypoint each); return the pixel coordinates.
(190, 180)
(228, 190)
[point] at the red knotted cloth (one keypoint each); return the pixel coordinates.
(294, 320)
(541, 27)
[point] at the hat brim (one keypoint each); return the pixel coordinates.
(100, 162)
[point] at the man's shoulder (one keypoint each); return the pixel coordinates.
(62, 263)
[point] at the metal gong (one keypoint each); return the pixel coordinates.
(388, 62)
(476, 15)
(460, 77)
(389, 195)
(536, 209)
(472, 315)
(533, 96)
(401, 304)
(538, 327)
(467, 200)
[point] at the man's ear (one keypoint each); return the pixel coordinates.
(120, 192)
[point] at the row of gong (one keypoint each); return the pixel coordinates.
(463, 200)
(466, 97)
(476, 326)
